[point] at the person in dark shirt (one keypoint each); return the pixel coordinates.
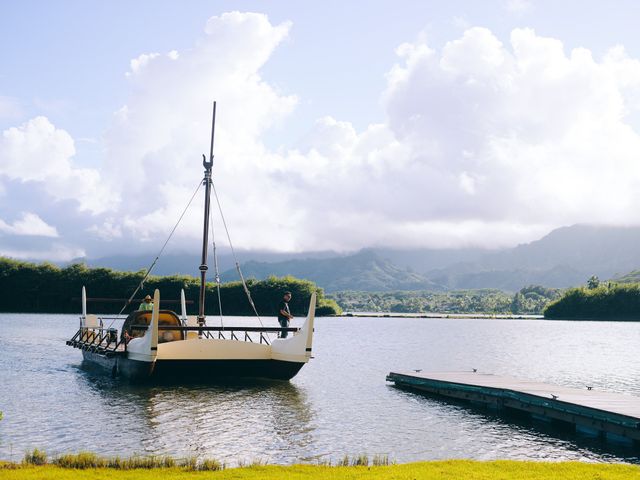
(284, 314)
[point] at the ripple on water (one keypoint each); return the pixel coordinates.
(339, 403)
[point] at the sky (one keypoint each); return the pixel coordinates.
(340, 125)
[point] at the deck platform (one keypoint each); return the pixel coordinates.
(613, 415)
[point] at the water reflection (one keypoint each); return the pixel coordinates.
(239, 420)
(339, 404)
(525, 436)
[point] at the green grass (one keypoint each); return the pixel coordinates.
(440, 470)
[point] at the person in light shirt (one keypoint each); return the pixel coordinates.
(147, 304)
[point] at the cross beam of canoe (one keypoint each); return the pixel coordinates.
(219, 328)
(120, 300)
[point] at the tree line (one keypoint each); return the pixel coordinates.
(46, 288)
(529, 300)
(597, 301)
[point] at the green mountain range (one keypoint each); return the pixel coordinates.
(365, 271)
(565, 257)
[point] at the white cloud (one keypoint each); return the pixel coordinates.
(29, 224)
(143, 60)
(108, 230)
(39, 152)
(56, 253)
(158, 137)
(487, 142)
(544, 130)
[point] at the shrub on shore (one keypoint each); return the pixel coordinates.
(597, 302)
(85, 460)
(35, 457)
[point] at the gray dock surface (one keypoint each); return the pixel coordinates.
(609, 413)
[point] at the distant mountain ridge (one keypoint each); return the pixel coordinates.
(364, 271)
(188, 263)
(565, 257)
(631, 277)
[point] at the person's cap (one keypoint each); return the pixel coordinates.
(287, 293)
(148, 297)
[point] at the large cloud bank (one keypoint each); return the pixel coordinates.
(486, 143)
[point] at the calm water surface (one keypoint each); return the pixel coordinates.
(339, 403)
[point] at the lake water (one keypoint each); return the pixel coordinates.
(338, 404)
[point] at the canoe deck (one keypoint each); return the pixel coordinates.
(609, 413)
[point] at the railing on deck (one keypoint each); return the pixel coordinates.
(106, 341)
(219, 332)
(97, 339)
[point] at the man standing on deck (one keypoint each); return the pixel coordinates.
(147, 304)
(284, 314)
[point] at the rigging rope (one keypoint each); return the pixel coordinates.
(235, 258)
(215, 263)
(215, 259)
(153, 264)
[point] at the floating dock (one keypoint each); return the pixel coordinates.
(613, 415)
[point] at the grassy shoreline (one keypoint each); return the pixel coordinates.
(433, 470)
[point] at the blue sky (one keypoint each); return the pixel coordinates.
(335, 132)
(68, 58)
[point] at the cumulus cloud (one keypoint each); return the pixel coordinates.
(108, 230)
(40, 153)
(29, 224)
(158, 137)
(139, 63)
(487, 141)
(543, 134)
(56, 252)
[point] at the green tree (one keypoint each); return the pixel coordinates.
(518, 305)
(46, 288)
(617, 302)
(593, 282)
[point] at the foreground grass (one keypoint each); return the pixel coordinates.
(440, 470)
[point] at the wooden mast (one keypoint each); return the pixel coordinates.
(205, 233)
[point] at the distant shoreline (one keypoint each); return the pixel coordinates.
(499, 316)
(451, 316)
(482, 316)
